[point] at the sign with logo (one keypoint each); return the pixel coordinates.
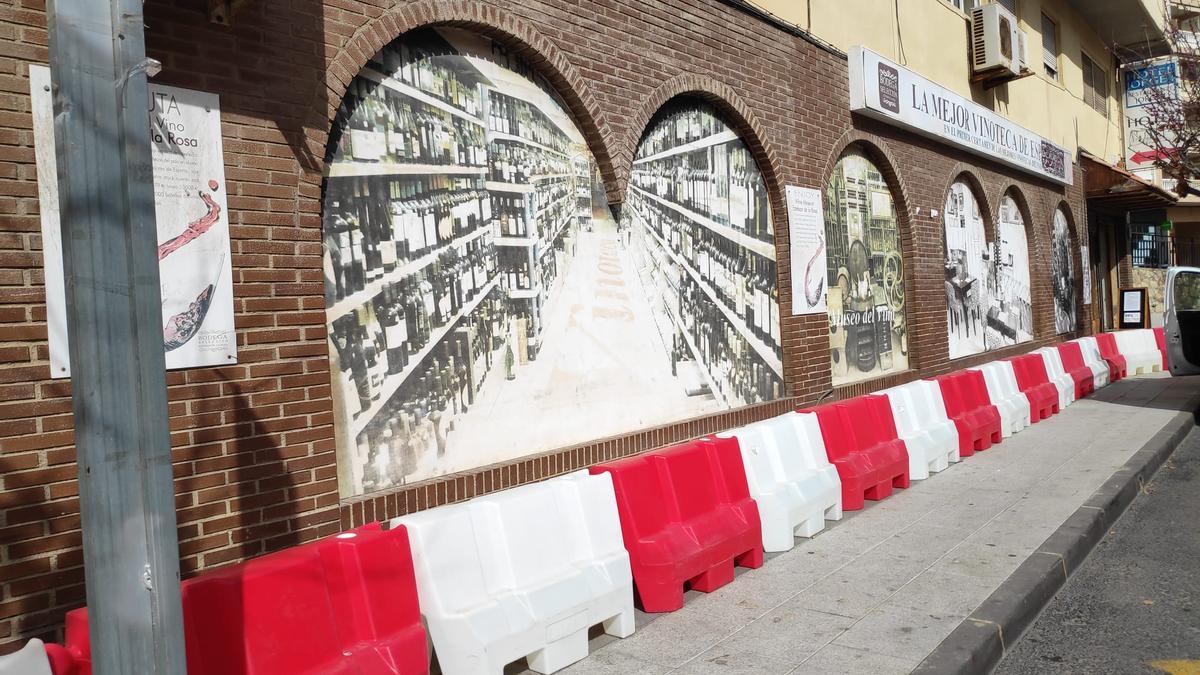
(196, 281)
(1147, 85)
(892, 93)
(806, 226)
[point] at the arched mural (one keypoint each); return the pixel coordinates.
(1062, 269)
(1010, 313)
(968, 261)
(482, 304)
(868, 334)
(697, 224)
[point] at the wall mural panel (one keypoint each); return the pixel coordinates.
(482, 304)
(1062, 269)
(1010, 314)
(968, 265)
(867, 330)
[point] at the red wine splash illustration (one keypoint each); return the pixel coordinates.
(184, 325)
(814, 286)
(196, 227)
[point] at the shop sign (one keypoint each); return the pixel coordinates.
(891, 93)
(196, 281)
(1147, 84)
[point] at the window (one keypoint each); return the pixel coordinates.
(1148, 246)
(965, 5)
(1010, 5)
(1095, 86)
(1050, 46)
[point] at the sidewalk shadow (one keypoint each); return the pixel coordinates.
(1158, 391)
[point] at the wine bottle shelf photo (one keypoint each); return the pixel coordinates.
(715, 139)
(418, 95)
(764, 352)
(352, 302)
(763, 248)
(350, 169)
(394, 382)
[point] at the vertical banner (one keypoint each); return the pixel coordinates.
(1086, 266)
(1148, 88)
(193, 225)
(806, 221)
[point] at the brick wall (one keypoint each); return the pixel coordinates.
(253, 443)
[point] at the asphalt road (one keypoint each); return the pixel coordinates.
(1134, 606)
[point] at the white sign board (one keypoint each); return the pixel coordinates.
(1147, 83)
(894, 94)
(193, 225)
(1084, 257)
(806, 228)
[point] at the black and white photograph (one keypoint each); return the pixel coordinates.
(1010, 314)
(482, 302)
(868, 334)
(968, 263)
(1062, 270)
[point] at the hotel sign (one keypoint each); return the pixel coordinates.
(891, 93)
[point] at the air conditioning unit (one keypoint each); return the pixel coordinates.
(995, 41)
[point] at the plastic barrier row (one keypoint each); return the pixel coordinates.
(526, 573)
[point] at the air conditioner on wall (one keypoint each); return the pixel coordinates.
(996, 42)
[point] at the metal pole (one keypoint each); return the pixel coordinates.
(106, 194)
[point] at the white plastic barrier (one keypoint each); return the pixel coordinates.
(794, 484)
(522, 573)
(1006, 395)
(1093, 360)
(1058, 375)
(921, 422)
(1140, 350)
(29, 660)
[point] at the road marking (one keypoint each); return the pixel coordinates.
(1177, 666)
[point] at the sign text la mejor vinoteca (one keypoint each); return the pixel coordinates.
(892, 93)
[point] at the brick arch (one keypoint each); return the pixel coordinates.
(963, 172)
(734, 110)
(498, 24)
(1034, 244)
(877, 150)
(1074, 250)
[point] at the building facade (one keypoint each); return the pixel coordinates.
(475, 244)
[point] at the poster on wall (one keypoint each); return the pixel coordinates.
(1149, 87)
(482, 302)
(968, 267)
(1086, 266)
(1010, 312)
(1062, 270)
(196, 279)
(867, 329)
(806, 225)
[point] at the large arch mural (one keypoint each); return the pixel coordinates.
(1062, 270)
(483, 305)
(968, 266)
(868, 333)
(1010, 314)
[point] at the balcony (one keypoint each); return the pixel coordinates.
(1135, 28)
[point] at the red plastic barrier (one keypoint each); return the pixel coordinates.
(686, 517)
(1117, 367)
(347, 604)
(968, 404)
(75, 656)
(861, 441)
(1161, 339)
(1035, 383)
(1072, 359)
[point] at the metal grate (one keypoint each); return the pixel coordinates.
(1148, 246)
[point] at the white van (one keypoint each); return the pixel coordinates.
(1182, 321)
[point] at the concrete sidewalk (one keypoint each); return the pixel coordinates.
(880, 590)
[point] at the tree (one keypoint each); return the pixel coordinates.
(1167, 130)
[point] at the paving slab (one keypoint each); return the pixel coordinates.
(878, 591)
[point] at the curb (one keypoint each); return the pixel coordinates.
(979, 643)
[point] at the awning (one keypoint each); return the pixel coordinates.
(1115, 189)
